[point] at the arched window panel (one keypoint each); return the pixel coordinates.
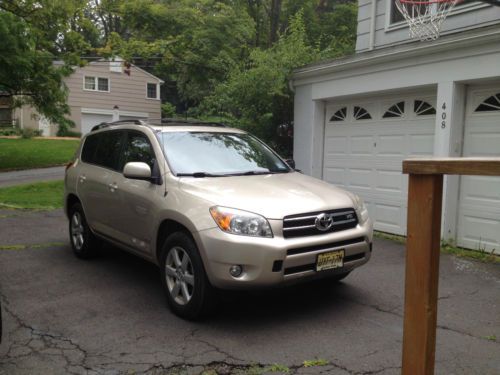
(361, 114)
(397, 110)
(423, 108)
(490, 104)
(340, 115)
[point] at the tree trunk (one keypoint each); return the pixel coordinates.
(275, 21)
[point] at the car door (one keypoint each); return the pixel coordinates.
(132, 218)
(100, 161)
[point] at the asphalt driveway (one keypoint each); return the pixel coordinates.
(31, 175)
(108, 315)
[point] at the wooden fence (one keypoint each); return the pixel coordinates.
(425, 192)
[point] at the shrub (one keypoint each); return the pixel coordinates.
(30, 133)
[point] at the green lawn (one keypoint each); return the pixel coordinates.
(41, 195)
(35, 153)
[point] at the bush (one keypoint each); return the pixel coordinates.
(30, 133)
(68, 133)
(9, 131)
(167, 110)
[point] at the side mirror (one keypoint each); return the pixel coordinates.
(137, 171)
(291, 163)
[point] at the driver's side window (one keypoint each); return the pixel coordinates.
(138, 148)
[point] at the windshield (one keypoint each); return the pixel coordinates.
(205, 154)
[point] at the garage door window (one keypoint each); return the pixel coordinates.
(340, 115)
(423, 108)
(490, 104)
(361, 114)
(397, 110)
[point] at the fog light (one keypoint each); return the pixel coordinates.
(235, 271)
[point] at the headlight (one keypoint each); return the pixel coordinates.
(240, 222)
(361, 209)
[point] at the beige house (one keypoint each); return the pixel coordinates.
(102, 91)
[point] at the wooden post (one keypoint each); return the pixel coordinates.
(422, 273)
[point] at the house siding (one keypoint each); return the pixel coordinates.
(127, 92)
(466, 17)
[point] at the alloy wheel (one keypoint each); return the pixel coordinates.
(179, 275)
(77, 230)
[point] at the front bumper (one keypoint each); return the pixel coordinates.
(275, 261)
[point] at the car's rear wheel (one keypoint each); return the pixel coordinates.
(83, 242)
(187, 289)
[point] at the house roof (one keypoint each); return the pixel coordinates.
(395, 52)
(119, 59)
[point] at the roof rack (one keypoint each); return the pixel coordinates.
(106, 124)
(183, 122)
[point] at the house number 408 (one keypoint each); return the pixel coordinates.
(443, 116)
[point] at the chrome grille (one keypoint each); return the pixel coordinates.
(304, 224)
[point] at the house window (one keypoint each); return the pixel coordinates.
(361, 114)
(422, 108)
(96, 83)
(340, 115)
(396, 15)
(152, 91)
(397, 110)
(490, 104)
(5, 116)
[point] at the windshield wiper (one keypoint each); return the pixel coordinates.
(254, 173)
(199, 175)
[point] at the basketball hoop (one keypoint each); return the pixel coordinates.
(425, 17)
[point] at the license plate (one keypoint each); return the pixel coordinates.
(330, 260)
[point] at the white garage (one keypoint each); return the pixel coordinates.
(479, 203)
(89, 120)
(365, 143)
(92, 117)
(350, 127)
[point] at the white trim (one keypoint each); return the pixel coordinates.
(373, 24)
(101, 111)
(118, 58)
(96, 82)
(402, 24)
(314, 73)
(157, 90)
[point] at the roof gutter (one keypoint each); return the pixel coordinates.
(386, 55)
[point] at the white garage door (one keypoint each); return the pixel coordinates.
(365, 143)
(89, 120)
(479, 205)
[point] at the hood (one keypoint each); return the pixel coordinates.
(272, 196)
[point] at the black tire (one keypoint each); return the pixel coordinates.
(84, 243)
(187, 289)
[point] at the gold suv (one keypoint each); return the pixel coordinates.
(213, 206)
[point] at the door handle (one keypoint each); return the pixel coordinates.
(112, 187)
(82, 179)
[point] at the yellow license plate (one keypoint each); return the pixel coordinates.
(330, 260)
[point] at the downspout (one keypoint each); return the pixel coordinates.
(372, 24)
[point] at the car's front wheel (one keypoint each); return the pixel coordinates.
(188, 291)
(83, 242)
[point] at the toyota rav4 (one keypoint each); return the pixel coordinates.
(213, 206)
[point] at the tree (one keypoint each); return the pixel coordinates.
(34, 34)
(256, 96)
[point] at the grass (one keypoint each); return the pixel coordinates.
(35, 153)
(449, 248)
(315, 362)
(40, 195)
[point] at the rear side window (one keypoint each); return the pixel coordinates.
(89, 149)
(104, 149)
(138, 148)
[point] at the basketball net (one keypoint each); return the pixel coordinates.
(425, 17)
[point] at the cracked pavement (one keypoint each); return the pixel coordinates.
(108, 315)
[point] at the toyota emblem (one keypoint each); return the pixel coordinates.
(323, 222)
